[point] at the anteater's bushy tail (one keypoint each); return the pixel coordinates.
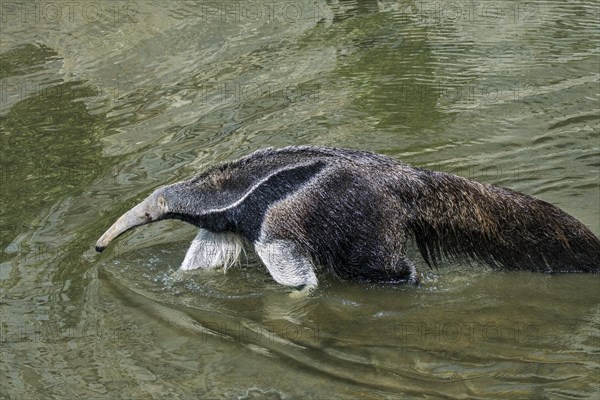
(457, 218)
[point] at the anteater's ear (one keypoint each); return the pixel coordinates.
(162, 203)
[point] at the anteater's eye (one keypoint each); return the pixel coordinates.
(147, 215)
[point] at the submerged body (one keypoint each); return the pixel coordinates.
(353, 212)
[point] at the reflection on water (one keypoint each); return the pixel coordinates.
(103, 101)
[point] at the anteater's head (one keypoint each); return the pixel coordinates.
(154, 208)
(186, 201)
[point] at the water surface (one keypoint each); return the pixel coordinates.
(104, 101)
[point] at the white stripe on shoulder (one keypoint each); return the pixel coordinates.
(253, 188)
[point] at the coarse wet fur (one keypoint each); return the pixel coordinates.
(353, 212)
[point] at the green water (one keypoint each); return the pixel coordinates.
(103, 101)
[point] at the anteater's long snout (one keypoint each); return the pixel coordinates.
(138, 215)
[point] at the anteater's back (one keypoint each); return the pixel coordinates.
(449, 216)
(458, 218)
